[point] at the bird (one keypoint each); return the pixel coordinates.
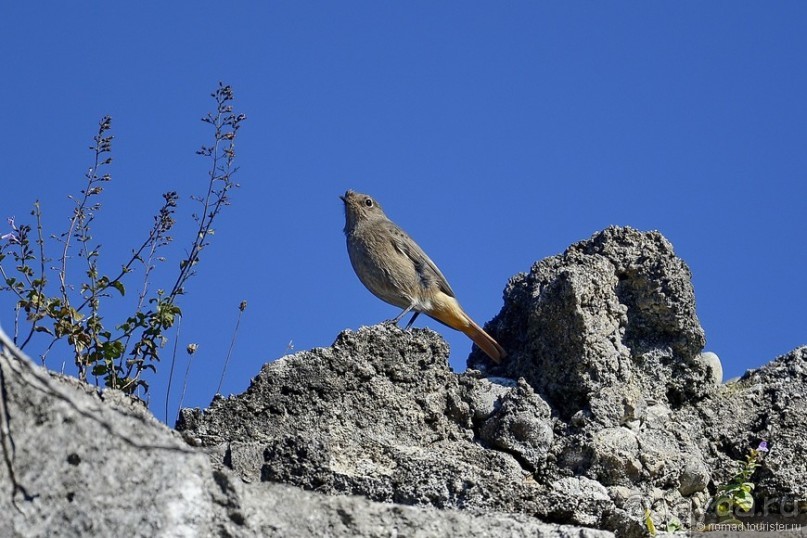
(396, 270)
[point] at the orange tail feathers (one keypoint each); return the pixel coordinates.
(447, 310)
(485, 342)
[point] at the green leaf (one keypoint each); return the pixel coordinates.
(118, 285)
(648, 522)
(744, 501)
(723, 506)
(112, 350)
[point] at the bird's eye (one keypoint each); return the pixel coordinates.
(368, 202)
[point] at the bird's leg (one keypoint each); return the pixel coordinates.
(402, 314)
(411, 321)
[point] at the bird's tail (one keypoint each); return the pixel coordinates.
(485, 342)
(447, 310)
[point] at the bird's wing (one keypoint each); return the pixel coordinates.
(425, 267)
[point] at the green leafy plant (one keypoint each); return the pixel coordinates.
(736, 495)
(70, 308)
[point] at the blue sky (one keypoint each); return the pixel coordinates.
(496, 134)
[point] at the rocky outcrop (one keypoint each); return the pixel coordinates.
(605, 408)
(611, 313)
(605, 413)
(768, 403)
(77, 463)
(378, 414)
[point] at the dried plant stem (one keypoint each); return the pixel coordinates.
(171, 370)
(241, 309)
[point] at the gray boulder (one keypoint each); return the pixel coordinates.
(82, 464)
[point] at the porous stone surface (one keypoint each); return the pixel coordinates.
(769, 404)
(379, 414)
(79, 463)
(604, 327)
(606, 407)
(607, 411)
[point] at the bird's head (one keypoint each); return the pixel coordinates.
(360, 208)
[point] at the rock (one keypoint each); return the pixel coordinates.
(87, 464)
(767, 404)
(484, 394)
(694, 478)
(284, 511)
(606, 413)
(96, 465)
(379, 414)
(616, 456)
(579, 499)
(612, 314)
(606, 391)
(712, 363)
(521, 427)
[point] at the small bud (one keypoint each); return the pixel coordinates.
(242, 306)
(192, 348)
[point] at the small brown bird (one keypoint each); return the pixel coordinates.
(396, 270)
